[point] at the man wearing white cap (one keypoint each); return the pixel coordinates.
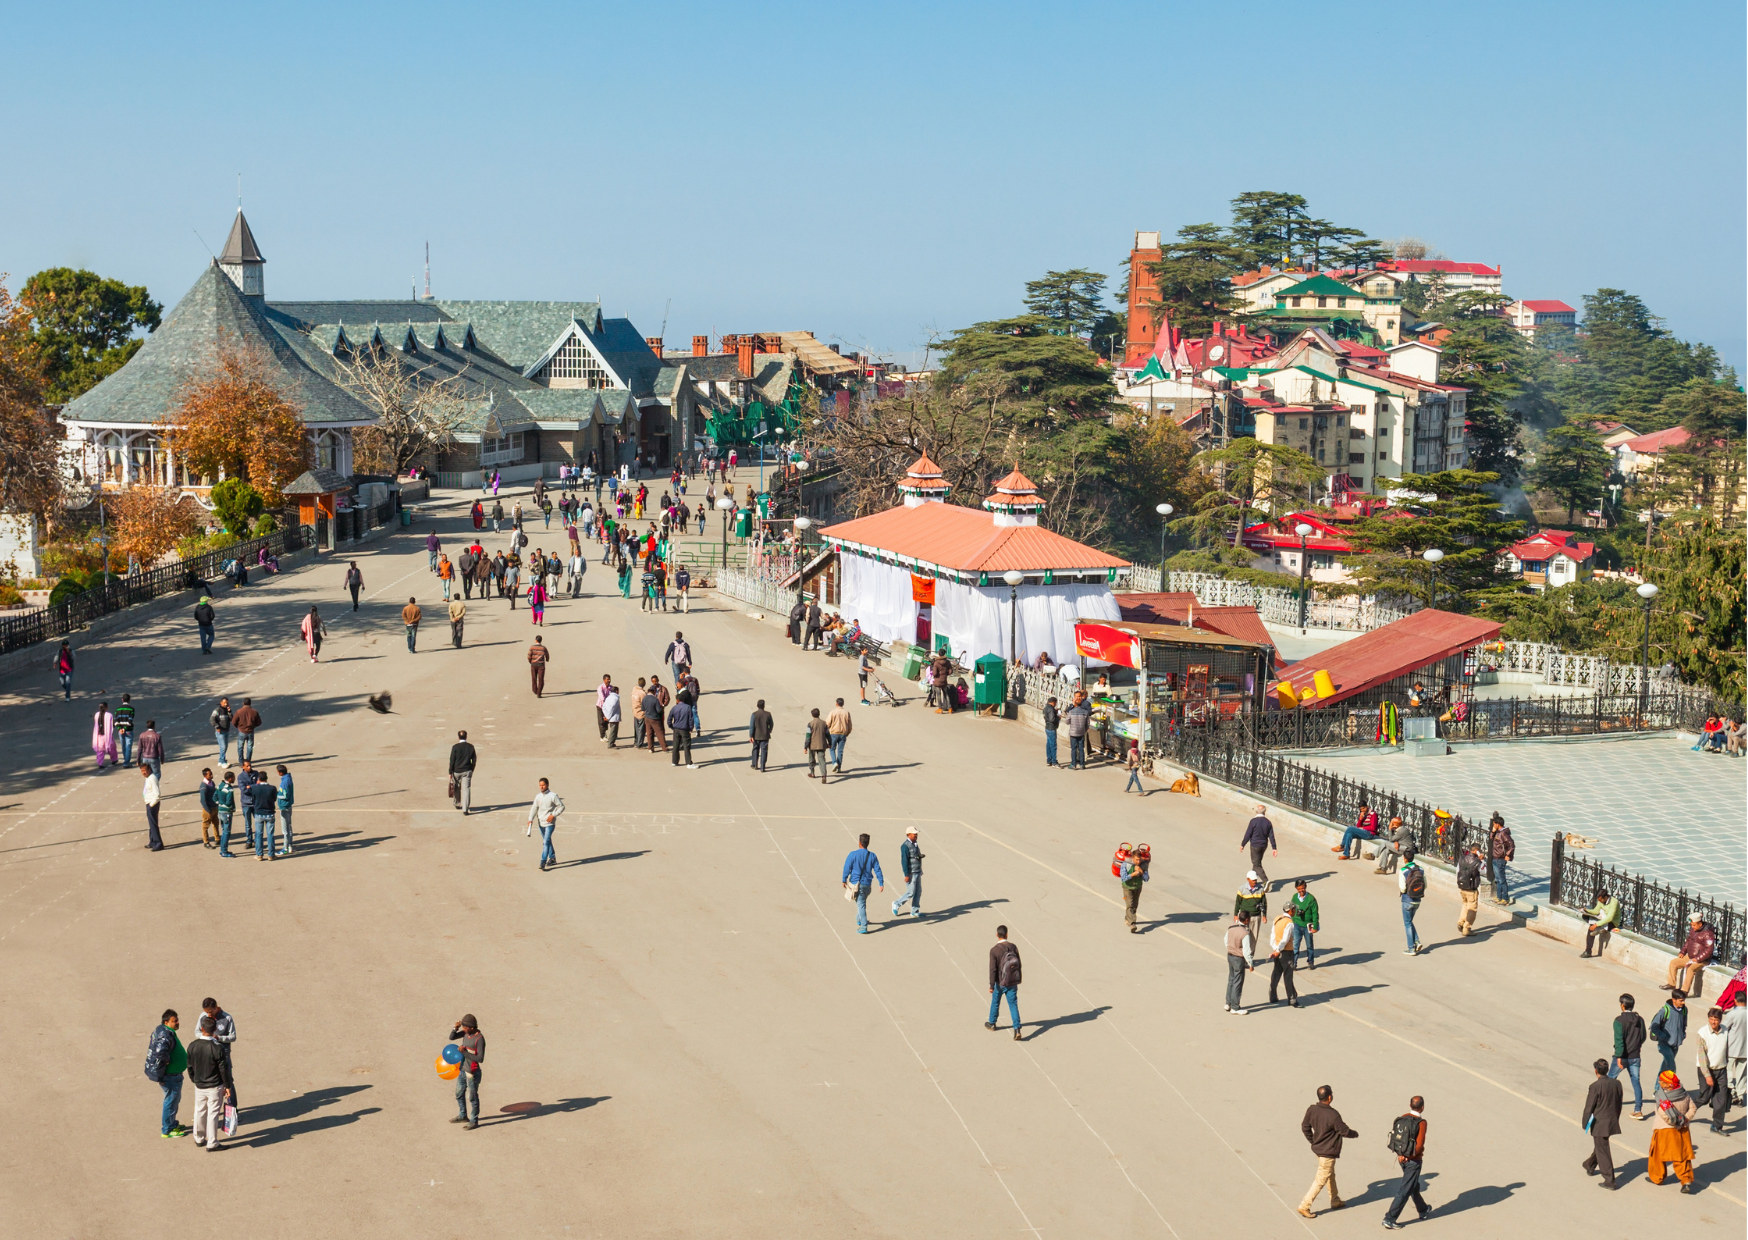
(910, 857)
(1253, 899)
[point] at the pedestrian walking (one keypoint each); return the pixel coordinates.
(1408, 1143)
(153, 797)
(1132, 764)
(797, 618)
(601, 692)
(1133, 866)
(354, 581)
(538, 657)
(681, 722)
(477, 514)
(863, 667)
(543, 813)
(837, 725)
(537, 601)
(313, 631)
(209, 1071)
(1603, 916)
(1671, 1140)
(817, 744)
(1501, 849)
(1004, 980)
(457, 621)
(124, 729)
(248, 722)
(1281, 954)
(1324, 1131)
(204, 617)
(678, 656)
(63, 665)
(1411, 884)
(224, 797)
(410, 616)
(432, 546)
(815, 627)
(1602, 1120)
(1687, 970)
(462, 761)
(1712, 1068)
(103, 735)
(208, 794)
(910, 864)
(1669, 1029)
(1469, 867)
(263, 802)
(1302, 908)
(759, 732)
(1629, 1039)
(861, 872)
(166, 1061)
(578, 566)
(473, 1054)
(1240, 959)
(283, 803)
(151, 748)
(682, 585)
(1259, 836)
(1079, 715)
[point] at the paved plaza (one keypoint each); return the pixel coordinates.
(686, 1037)
(1653, 806)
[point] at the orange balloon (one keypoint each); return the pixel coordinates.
(447, 1071)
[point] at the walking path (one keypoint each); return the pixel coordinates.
(685, 1034)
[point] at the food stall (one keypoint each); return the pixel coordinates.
(1184, 677)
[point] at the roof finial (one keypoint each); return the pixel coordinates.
(427, 271)
(239, 191)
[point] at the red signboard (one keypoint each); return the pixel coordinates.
(1111, 645)
(922, 590)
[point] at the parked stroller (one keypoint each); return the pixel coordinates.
(883, 694)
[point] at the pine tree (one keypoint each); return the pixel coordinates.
(1572, 465)
(1074, 300)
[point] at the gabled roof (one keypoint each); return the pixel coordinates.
(214, 318)
(1548, 307)
(1280, 533)
(966, 540)
(1548, 544)
(1243, 622)
(240, 246)
(521, 332)
(1399, 648)
(1649, 445)
(1427, 266)
(1320, 286)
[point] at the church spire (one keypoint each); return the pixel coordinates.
(241, 259)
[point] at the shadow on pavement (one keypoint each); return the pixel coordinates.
(1352, 958)
(618, 856)
(296, 1128)
(338, 841)
(1175, 919)
(298, 1104)
(1078, 1018)
(1473, 1198)
(957, 910)
(1340, 992)
(511, 1112)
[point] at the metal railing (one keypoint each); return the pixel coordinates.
(1648, 907)
(1491, 719)
(1350, 613)
(754, 589)
(70, 615)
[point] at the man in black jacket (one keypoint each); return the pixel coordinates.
(1004, 979)
(1052, 721)
(263, 802)
(203, 616)
(1629, 1041)
(1324, 1129)
(1469, 867)
(1259, 834)
(462, 760)
(759, 729)
(209, 1071)
(1602, 1116)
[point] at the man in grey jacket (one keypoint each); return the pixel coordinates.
(543, 813)
(1240, 958)
(910, 860)
(1079, 717)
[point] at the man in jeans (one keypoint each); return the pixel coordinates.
(1052, 721)
(1302, 908)
(462, 760)
(1004, 979)
(151, 748)
(861, 872)
(263, 800)
(1629, 1040)
(1411, 883)
(837, 725)
(167, 1047)
(1240, 957)
(473, 1052)
(283, 805)
(411, 615)
(1501, 849)
(247, 719)
(223, 724)
(1410, 1162)
(910, 860)
(124, 728)
(1079, 722)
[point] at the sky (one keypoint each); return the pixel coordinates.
(877, 174)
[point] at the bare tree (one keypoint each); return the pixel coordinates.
(418, 409)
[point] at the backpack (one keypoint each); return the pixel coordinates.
(1403, 1134)
(1009, 973)
(1416, 883)
(158, 1053)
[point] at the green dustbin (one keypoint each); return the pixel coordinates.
(406, 516)
(991, 688)
(743, 523)
(913, 663)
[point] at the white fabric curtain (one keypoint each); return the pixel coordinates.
(976, 619)
(879, 596)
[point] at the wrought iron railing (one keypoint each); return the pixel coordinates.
(70, 615)
(1489, 719)
(755, 589)
(1648, 907)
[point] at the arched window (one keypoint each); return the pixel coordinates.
(147, 460)
(327, 445)
(111, 464)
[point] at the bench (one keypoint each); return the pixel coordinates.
(865, 642)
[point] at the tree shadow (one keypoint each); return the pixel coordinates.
(1078, 1018)
(298, 1104)
(1476, 1197)
(1340, 992)
(618, 856)
(514, 1111)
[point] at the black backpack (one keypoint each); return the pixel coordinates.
(158, 1053)
(1009, 973)
(1416, 883)
(1403, 1134)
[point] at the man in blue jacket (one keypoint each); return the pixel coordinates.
(861, 872)
(284, 806)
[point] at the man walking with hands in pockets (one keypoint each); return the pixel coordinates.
(543, 813)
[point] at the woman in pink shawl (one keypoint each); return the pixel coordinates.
(313, 631)
(537, 599)
(103, 734)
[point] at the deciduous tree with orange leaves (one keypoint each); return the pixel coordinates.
(150, 521)
(236, 422)
(31, 476)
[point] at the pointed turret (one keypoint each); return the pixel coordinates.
(242, 260)
(923, 483)
(1015, 501)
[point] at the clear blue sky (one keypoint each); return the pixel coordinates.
(875, 173)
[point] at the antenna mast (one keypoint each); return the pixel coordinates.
(427, 271)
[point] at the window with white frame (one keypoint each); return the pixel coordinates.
(503, 451)
(111, 457)
(148, 461)
(327, 450)
(574, 361)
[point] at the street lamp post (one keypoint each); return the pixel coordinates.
(1013, 577)
(801, 527)
(1647, 592)
(1164, 511)
(801, 486)
(1304, 532)
(725, 505)
(1432, 555)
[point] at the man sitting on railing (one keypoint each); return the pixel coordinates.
(1364, 828)
(1604, 916)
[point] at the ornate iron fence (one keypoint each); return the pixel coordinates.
(754, 589)
(1648, 907)
(17, 632)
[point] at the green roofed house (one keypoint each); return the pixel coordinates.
(1345, 312)
(545, 382)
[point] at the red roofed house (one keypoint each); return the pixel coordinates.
(1277, 547)
(1428, 646)
(1526, 316)
(1550, 559)
(1181, 608)
(1638, 456)
(1454, 275)
(933, 573)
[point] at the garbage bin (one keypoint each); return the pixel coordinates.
(991, 687)
(743, 523)
(913, 663)
(407, 516)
